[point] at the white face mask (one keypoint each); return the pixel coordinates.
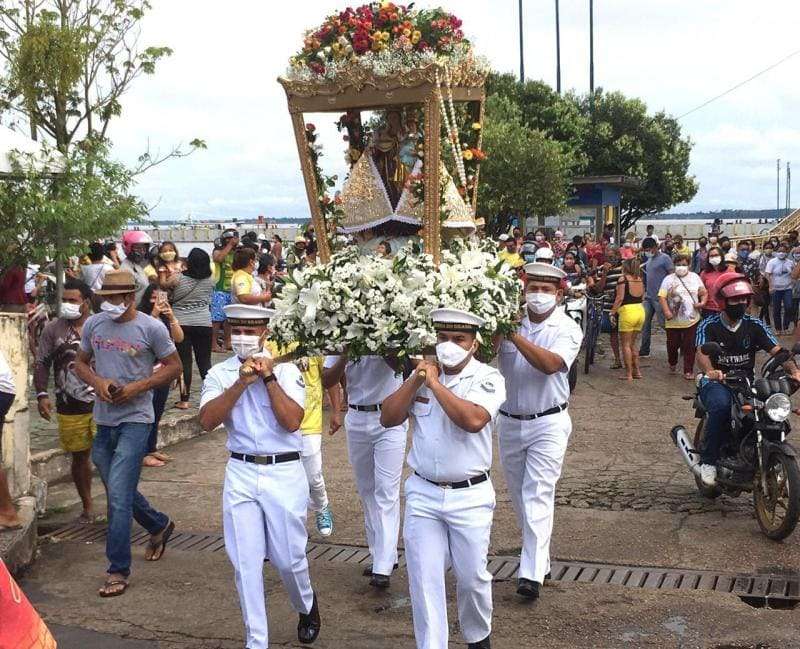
(681, 271)
(245, 345)
(71, 311)
(116, 310)
(714, 261)
(540, 303)
(451, 355)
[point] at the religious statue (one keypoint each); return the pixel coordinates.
(394, 153)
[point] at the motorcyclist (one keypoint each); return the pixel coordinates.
(740, 336)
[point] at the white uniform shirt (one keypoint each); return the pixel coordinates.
(251, 424)
(369, 379)
(6, 377)
(440, 450)
(529, 390)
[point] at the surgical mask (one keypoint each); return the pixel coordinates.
(245, 345)
(71, 311)
(649, 255)
(539, 237)
(714, 261)
(116, 311)
(168, 255)
(540, 303)
(451, 355)
(735, 311)
(781, 255)
(681, 271)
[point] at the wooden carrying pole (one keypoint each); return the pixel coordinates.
(312, 191)
(431, 226)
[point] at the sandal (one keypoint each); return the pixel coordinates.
(111, 588)
(156, 550)
(616, 366)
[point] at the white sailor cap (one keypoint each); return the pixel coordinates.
(545, 272)
(544, 253)
(456, 320)
(503, 237)
(248, 315)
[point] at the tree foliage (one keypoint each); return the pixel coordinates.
(45, 216)
(525, 174)
(609, 134)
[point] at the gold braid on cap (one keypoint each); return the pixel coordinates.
(248, 322)
(455, 326)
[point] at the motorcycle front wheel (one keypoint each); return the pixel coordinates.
(699, 442)
(778, 510)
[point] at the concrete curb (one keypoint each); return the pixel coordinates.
(18, 547)
(53, 465)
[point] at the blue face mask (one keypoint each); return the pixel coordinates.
(744, 254)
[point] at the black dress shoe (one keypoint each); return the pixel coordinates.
(527, 588)
(368, 570)
(309, 624)
(483, 644)
(379, 581)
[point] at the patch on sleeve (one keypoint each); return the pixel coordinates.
(300, 382)
(488, 385)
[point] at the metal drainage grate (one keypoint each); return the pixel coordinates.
(755, 589)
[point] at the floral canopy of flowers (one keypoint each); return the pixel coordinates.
(375, 306)
(384, 37)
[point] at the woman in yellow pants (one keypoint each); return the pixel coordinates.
(628, 308)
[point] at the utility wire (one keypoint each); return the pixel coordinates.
(740, 84)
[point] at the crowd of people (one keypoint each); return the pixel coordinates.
(667, 280)
(156, 313)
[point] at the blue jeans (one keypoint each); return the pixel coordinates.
(652, 306)
(160, 396)
(117, 452)
(782, 299)
(717, 400)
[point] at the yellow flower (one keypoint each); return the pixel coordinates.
(415, 37)
(385, 36)
(407, 33)
(476, 126)
(467, 155)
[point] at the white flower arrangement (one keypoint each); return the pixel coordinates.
(375, 306)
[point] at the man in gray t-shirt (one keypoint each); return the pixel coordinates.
(119, 349)
(656, 267)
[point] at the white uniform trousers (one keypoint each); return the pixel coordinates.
(376, 455)
(444, 527)
(264, 514)
(311, 456)
(532, 454)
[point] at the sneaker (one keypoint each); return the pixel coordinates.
(708, 474)
(325, 522)
(644, 354)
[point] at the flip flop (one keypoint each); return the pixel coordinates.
(157, 549)
(10, 528)
(104, 591)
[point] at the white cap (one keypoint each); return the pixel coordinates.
(546, 272)
(558, 233)
(456, 320)
(544, 253)
(731, 256)
(248, 314)
(503, 237)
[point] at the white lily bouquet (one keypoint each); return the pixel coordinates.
(376, 306)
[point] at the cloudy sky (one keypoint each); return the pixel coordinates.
(675, 54)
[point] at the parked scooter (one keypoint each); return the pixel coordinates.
(575, 308)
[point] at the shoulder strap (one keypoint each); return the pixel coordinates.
(687, 290)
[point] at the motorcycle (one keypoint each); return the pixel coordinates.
(575, 308)
(757, 458)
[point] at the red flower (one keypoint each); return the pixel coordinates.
(317, 67)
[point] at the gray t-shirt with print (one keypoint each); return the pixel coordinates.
(125, 352)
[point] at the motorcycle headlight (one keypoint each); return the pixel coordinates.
(778, 407)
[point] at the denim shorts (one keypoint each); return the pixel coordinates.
(219, 300)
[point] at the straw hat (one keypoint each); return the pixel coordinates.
(118, 282)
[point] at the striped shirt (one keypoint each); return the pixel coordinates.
(190, 301)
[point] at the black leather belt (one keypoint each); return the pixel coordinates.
(266, 459)
(552, 411)
(373, 408)
(483, 477)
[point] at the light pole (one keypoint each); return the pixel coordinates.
(558, 53)
(778, 190)
(521, 48)
(591, 46)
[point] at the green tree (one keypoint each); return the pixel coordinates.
(46, 216)
(525, 174)
(624, 139)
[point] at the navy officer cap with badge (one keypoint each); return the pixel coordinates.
(456, 320)
(248, 315)
(544, 272)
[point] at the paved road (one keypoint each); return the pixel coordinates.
(625, 498)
